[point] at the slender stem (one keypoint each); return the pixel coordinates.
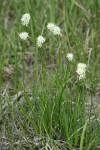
(23, 67)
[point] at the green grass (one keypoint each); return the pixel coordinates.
(52, 107)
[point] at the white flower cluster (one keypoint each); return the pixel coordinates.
(54, 29)
(81, 70)
(40, 41)
(81, 67)
(23, 35)
(25, 19)
(70, 56)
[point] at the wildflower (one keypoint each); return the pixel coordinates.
(57, 31)
(70, 56)
(81, 70)
(23, 35)
(40, 41)
(54, 29)
(25, 19)
(50, 26)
